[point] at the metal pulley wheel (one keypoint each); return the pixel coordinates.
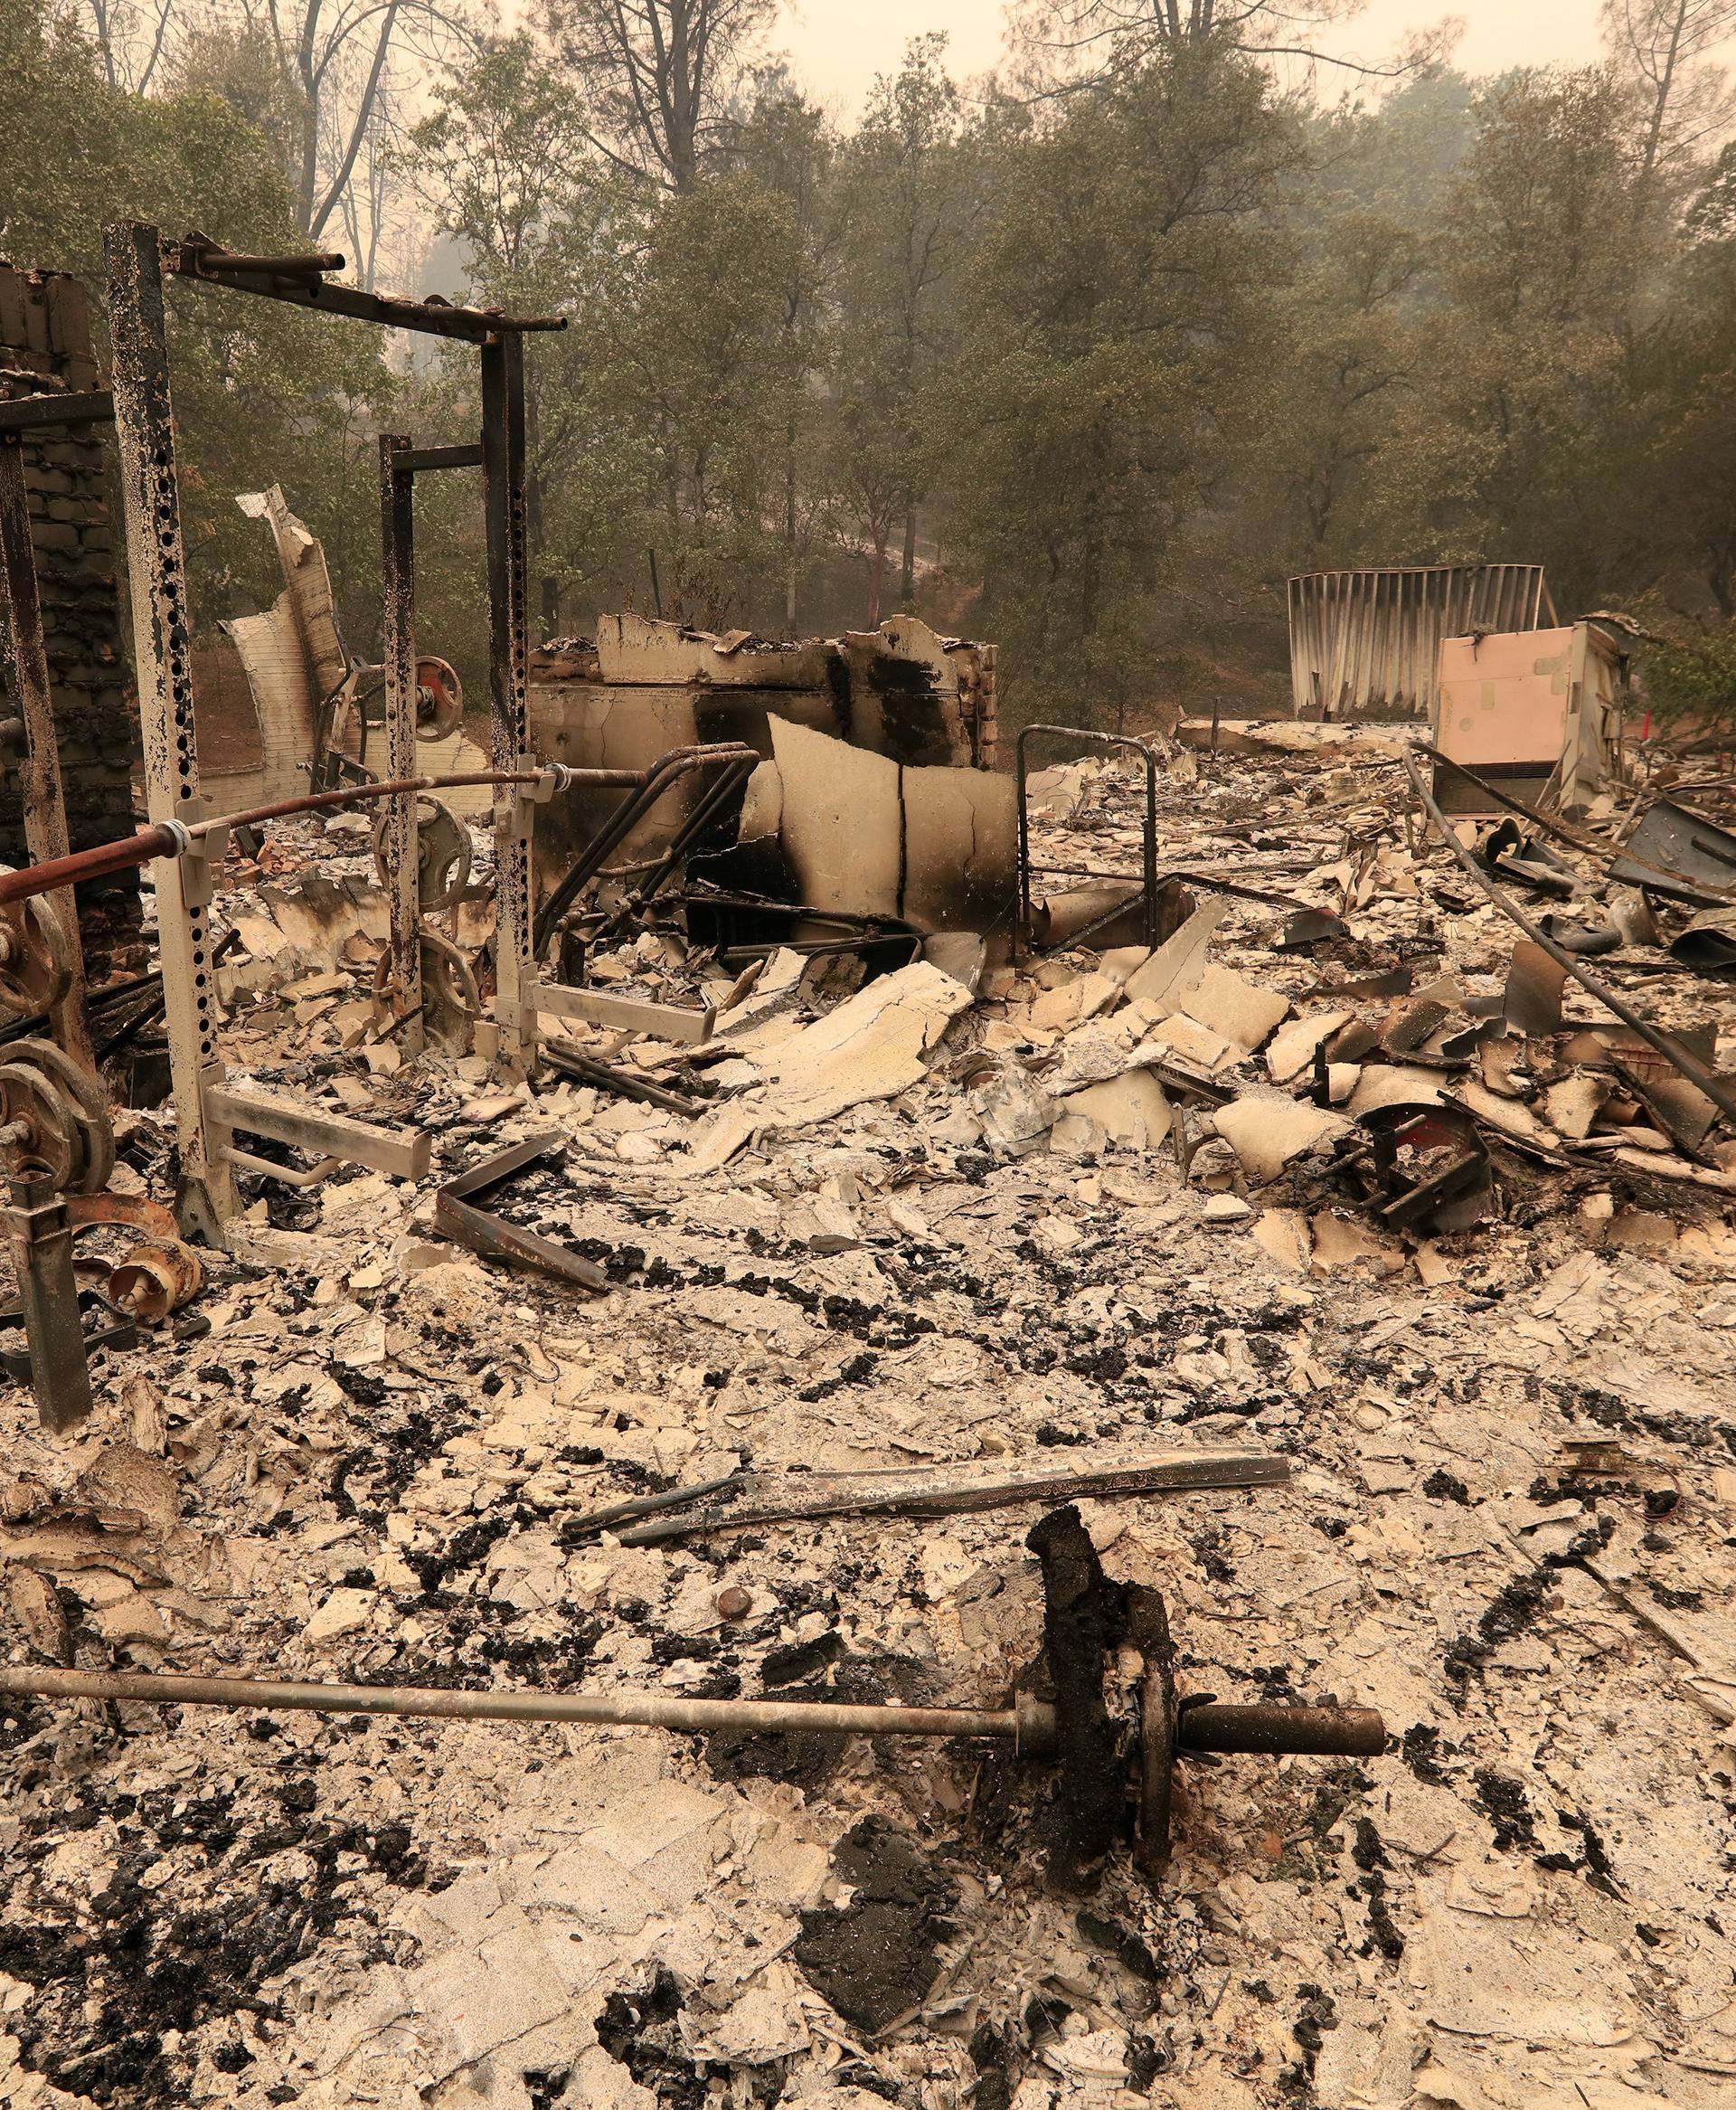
(442, 853)
(69, 1137)
(451, 1002)
(36, 955)
(154, 1279)
(440, 699)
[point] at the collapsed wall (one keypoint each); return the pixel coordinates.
(45, 349)
(922, 705)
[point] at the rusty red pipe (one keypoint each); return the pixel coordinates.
(163, 840)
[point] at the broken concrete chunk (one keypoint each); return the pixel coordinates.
(1292, 1046)
(346, 1611)
(872, 1046)
(1282, 1234)
(1342, 1241)
(1268, 1133)
(1573, 1105)
(1508, 1115)
(1187, 1039)
(1225, 1209)
(1341, 1081)
(1175, 967)
(1227, 1005)
(1132, 1108)
(1015, 1108)
(130, 1620)
(37, 1609)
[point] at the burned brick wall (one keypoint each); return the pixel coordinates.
(45, 347)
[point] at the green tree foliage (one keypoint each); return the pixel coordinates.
(909, 209)
(261, 391)
(1691, 681)
(1116, 315)
(1089, 370)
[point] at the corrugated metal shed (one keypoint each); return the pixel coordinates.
(1367, 644)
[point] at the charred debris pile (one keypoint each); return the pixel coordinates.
(1217, 1164)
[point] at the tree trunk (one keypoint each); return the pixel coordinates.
(789, 525)
(876, 574)
(308, 176)
(907, 577)
(364, 113)
(1660, 104)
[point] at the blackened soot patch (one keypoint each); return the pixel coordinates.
(640, 2031)
(876, 1957)
(1084, 1618)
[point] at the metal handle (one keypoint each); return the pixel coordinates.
(1345, 1732)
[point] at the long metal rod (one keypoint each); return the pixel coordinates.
(1029, 1724)
(163, 842)
(642, 1710)
(1715, 1088)
(25, 648)
(1346, 1732)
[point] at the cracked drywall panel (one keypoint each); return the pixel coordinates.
(841, 821)
(303, 562)
(762, 805)
(960, 851)
(903, 694)
(270, 651)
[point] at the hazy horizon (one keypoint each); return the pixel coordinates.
(836, 47)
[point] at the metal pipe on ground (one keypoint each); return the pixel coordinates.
(1029, 1724)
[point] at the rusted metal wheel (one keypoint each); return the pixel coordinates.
(36, 955)
(451, 1002)
(88, 1107)
(440, 699)
(442, 853)
(52, 1146)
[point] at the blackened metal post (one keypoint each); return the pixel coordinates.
(398, 649)
(503, 456)
(163, 662)
(41, 1241)
(26, 655)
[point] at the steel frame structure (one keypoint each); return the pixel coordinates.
(1145, 877)
(207, 1113)
(401, 461)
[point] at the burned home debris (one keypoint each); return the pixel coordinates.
(753, 1327)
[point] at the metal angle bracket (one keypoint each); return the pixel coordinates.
(457, 1217)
